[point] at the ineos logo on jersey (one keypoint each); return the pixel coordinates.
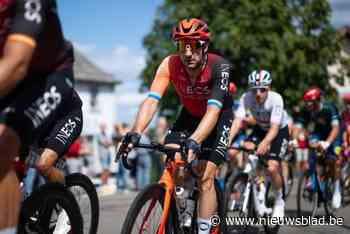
(67, 130)
(223, 142)
(43, 106)
(199, 90)
(32, 12)
(225, 76)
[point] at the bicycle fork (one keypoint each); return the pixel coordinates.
(246, 198)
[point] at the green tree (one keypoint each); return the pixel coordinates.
(291, 38)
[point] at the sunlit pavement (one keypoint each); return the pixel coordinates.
(114, 208)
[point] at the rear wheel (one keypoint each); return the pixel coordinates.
(144, 215)
(86, 196)
(50, 209)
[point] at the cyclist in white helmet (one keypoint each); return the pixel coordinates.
(270, 131)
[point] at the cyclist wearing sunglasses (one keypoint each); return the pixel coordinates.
(323, 121)
(271, 129)
(201, 80)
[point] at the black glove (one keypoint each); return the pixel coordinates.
(191, 144)
(131, 138)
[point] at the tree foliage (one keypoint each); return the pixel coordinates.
(293, 39)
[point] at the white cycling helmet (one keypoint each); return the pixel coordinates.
(259, 79)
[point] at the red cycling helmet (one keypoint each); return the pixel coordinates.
(312, 94)
(191, 29)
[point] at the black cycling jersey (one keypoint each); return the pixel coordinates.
(36, 23)
(320, 122)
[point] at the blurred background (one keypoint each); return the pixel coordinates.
(119, 44)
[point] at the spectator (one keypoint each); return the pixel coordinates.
(143, 164)
(119, 131)
(75, 154)
(104, 142)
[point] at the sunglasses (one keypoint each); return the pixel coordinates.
(261, 90)
(194, 44)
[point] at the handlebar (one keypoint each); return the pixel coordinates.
(169, 151)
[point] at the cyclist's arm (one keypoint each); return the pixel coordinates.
(236, 126)
(335, 125)
(345, 139)
(333, 134)
(149, 106)
(13, 65)
(221, 76)
(207, 124)
(19, 47)
(272, 133)
(276, 120)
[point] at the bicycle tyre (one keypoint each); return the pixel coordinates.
(153, 191)
(270, 202)
(290, 178)
(43, 199)
(78, 179)
(300, 191)
(232, 181)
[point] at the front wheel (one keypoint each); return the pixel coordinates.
(144, 215)
(50, 209)
(307, 197)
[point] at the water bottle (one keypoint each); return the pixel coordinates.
(185, 205)
(187, 215)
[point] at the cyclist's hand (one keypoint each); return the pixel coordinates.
(324, 145)
(248, 145)
(293, 144)
(263, 148)
(129, 141)
(191, 148)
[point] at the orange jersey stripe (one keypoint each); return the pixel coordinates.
(162, 78)
(22, 38)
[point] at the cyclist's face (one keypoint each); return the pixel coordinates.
(191, 53)
(312, 105)
(260, 94)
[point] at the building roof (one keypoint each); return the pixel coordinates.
(87, 71)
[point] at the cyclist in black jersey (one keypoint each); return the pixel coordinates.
(322, 120)
(36, 84)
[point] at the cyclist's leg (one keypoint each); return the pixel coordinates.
(333, 164)
(277, 151)
(62, 135)
(218, 141)
(9, 186)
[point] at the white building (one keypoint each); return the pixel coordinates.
(97, 91)
(96, 88)
(338, 70)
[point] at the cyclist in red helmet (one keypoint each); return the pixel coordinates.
(201, 80)
(325, 119)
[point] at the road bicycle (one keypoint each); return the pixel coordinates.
(245, 195)
(155, 209)
(315, 186)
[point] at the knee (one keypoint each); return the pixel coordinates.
(272, 169)
(206, 183)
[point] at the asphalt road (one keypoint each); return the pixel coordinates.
(113, 209)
